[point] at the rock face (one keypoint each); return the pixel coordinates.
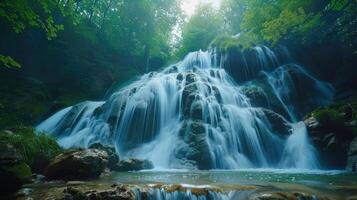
(113, 157)
(133, 164)
(77, 165)
(334, 132)
(352, 156)
(13, 170)
(196, 148)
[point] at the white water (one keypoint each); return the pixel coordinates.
(194, 115)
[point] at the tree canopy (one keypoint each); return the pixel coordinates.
(138, 27)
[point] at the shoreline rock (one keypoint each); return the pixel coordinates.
(77, 165)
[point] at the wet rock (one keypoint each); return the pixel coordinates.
(116, 193)
(179, 77)
(278, 123)
(77, 165)
(256, 95)
(13, 170)
(217, 94)
(352, 156)
(197, 111)
(283, 196)
(190, 78)
(173, 69)
(133, 164)
(193, 134)
(332, 129)
(188, 97)
(113, 157)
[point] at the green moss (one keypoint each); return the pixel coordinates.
(328, 115)
(36, 149)
(341, 116)
(21, 170)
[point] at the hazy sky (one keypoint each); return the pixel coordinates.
(188, 6)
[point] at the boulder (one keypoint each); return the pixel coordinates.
(77, 165)
(133, 164)
(113, 157)
(13, 170)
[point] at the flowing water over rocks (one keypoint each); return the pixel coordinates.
(195, 115)
(203, 185)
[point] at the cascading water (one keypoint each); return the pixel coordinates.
(194, 115)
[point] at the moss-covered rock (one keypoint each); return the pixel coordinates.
(36, 150)
(332, 129)
(13, 170)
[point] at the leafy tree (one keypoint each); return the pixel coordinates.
(200, 29)
(22, 14)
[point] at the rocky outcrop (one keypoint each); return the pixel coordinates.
(13, 170)
(77, 165)
(115, 193)
(333, 130)
(133, 164)
(278, 123)
(196, 149)
(352, 156)
(113, 157)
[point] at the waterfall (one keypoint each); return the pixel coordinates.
(195, 115)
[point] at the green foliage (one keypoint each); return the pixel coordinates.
(36, 149)
(225, 42)
(22, 14)
(9, 62)
(21, 170)
(200, 29)
(329, 116)
(341, 116)
(273, 21)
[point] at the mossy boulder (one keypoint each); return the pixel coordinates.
(13, 170)
(77, 165)
(36, 150)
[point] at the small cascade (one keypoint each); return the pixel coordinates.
(194, 114)
(175, 192)
(298, 152)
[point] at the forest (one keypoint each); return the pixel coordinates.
(178, 99)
